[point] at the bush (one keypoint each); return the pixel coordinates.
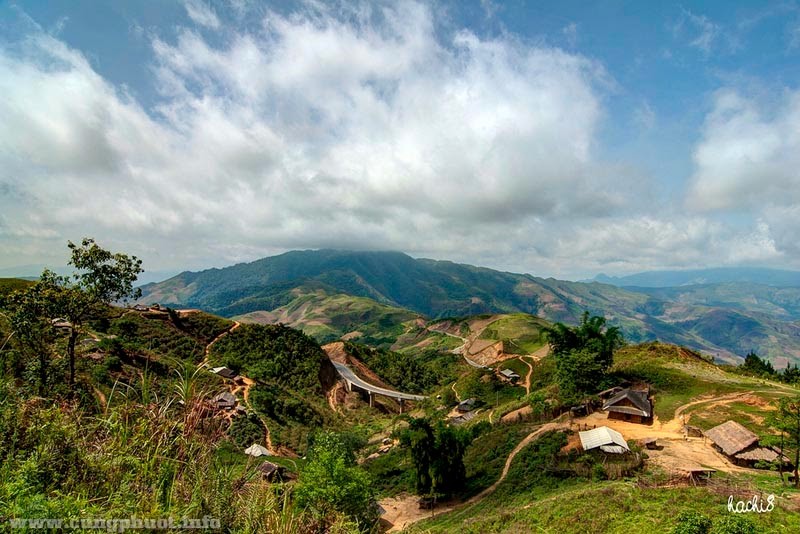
(734, 524)
(691, 522)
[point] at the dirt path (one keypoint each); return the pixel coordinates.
(403, 510)
(236, 324)
(528, 376)
(245, 391)
(453, 387)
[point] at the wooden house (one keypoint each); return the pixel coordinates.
(741, 446)
(509, 375)
(224, 401)
(270, 472)
(630, 405)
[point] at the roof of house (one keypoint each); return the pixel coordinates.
(639, 399)
(732, 437)
(765, 454)
(226, 397)
(268, 468)
(603, 436)
(508, 373)
(224, 372)
(256, 450)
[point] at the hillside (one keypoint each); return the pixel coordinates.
(724, 275)
(305, 288)
(146, 416)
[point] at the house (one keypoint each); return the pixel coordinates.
(224, 372)
(741, 446)
(140, 308)
(255, 450)
(466, 405)
(463, 418)
(270, 471)
(509, 375)
(610, 392)
(61, 324)
(630, 405)
(604, 438)
(224, 401)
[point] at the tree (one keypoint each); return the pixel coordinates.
(102, 278)
(331, 482)
(438, 456)
(583, 354)
(787, 421)
(757, 365)
(31, 331)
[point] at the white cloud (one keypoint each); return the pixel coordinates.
(201, 13)
(749, 154)
(570, 32)
(699, 30)
(367, 128)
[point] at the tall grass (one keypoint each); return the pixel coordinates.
(145, 456)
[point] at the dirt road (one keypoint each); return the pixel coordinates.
(403, 510)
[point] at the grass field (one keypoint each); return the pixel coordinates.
(520, 332)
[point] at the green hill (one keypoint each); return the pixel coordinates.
(323, 292)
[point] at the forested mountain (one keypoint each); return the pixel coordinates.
(726, 320)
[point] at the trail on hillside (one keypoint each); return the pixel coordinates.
(528, 376)
(245, 391)
(404, 511)
(236, 324)
(453, 387)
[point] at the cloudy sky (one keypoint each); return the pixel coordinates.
(558, 138)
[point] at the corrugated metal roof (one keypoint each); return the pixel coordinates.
(613, 449)
(591, 439)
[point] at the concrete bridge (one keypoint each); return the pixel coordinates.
(351, 381)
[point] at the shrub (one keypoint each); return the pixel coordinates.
(691, 522)
(734, 524)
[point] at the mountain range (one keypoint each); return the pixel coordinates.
(755, 275)
(726, 320)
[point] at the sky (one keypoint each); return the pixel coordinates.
(562, 138)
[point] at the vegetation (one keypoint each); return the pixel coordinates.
(734, 317)
(437, 452)
(332, 484)
(583, 355)
(412, 374)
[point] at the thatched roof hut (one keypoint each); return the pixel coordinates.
(761, 454)
(732, 438)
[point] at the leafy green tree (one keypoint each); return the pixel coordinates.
(438, 456)
(101, 278)
(331, 483)
(786, 420)
(31, 331)
(583, 354)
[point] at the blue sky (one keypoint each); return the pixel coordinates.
(557, 138)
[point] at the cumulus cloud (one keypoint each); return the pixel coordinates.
(367, 127)
(749, 154)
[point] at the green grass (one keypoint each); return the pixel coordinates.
(516, 365)
(675, 378)
(521, 333)
(486, 456)
(580, 506)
